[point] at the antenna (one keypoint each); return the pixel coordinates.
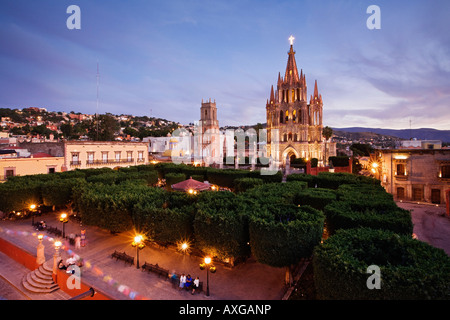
(96, 112)
(410, 130)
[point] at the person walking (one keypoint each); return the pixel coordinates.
(77, 242)
(182, 281)
(195, 285)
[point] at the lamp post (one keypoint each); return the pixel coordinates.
(139, 244)
(40, 257)
(57, 245)
(64, 220)
(32, 207)
(206, 265)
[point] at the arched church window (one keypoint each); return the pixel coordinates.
(281, 116)
(285, 137)
(293, 95)
(294, 116)
(287, 116)
(290, 136)
(295, 137)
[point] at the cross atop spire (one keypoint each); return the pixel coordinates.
(291, 39)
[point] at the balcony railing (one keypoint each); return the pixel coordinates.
(108, 161)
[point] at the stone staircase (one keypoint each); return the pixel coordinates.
(40, 280)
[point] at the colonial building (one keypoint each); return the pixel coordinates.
(294, 126)
(421, 175)
(99, 154)
(38, 163)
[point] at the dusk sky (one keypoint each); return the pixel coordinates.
(161, 58)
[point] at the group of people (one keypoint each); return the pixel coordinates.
(186, 282)
(71, 261)
(41, 225)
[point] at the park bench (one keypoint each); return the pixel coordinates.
(123, 256)
(54, 231)
(156, 269)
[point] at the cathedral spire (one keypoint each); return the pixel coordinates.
(272, 96)
(291, 74)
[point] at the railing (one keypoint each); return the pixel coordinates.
(109, 161)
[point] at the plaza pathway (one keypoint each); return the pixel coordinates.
(246, 281)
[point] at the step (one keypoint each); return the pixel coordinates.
(33, 289)
(39, 279)
(44, 272)
(31, 281)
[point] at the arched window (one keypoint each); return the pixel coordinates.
(295, 137)
(290, 136)
(281, 116)
(294, 116)
(285, 137)
(287, 116)
(293, 95)
(299, 116)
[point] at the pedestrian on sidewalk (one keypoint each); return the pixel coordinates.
(174, 279)
(195, 285)
(77, 242)
(182, 281)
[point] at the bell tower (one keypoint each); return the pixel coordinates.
(210, 133)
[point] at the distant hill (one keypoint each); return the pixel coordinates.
(419, 134)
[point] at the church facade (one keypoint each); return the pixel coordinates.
(294, 126)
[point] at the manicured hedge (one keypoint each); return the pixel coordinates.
(163, 224)
(243, 184)
(59, 192)
(270, 193)
(110, 206)
(317, 198)
(220, 224)
(409, 268)
(173, 178)
(377, 215)
(282, 234)
(19, 194)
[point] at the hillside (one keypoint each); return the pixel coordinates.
(419, 134)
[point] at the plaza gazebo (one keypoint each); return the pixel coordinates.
(191, 185)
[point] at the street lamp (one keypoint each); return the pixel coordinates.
(206, 265)
(57, 245)
(139, 244)
(64, 220)
(32, 207)
(40, 257)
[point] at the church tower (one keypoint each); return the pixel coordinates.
(210, 133)
(298, 123)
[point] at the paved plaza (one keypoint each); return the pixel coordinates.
(246, 281)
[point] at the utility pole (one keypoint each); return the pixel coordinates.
(96, 112)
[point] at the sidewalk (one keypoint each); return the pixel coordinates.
(246, 281)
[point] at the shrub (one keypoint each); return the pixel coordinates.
(308, 178)
(282, 234)
(317, 198)
(59, 192)
(173, 178)
(345, 215)
(243, 184)
(410, 269)
(220, 224)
